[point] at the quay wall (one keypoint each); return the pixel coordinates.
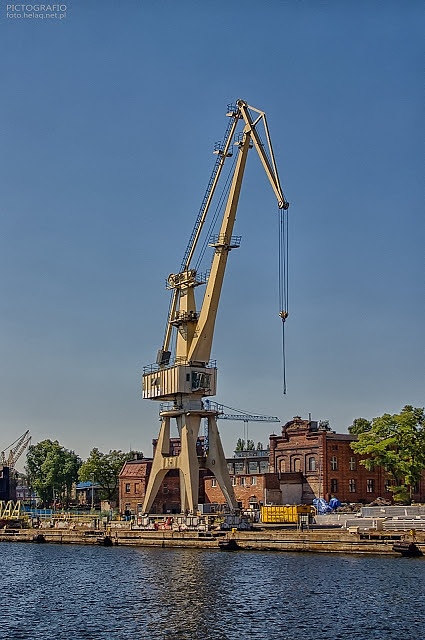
(319, 541)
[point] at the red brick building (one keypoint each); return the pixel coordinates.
(326, 464)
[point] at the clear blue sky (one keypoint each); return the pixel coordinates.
(108, 119)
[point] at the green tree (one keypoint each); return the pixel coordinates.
(52, 470)
(397, 443)
(250, 446)
(240, 445)
(104, 469)
(360, 425)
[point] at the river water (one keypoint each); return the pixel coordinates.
(126, 593)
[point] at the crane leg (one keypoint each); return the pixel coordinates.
(186, 462)
(216, 462)
(159, 465)
(188, 426)
(183, 502)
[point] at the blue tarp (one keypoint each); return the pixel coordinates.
(326, 507)
(334, 503)
(321, 506)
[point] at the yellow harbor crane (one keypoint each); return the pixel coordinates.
(183, 373)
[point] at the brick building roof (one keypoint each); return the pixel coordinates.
(136, 468)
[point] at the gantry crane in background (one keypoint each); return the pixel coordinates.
(237, 415)
(16, 449)
(183, 373)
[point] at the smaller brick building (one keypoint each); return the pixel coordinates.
(134, 477)
(132, 488)
(252, 482)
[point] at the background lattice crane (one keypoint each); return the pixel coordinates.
(16, 449)
(238, 414)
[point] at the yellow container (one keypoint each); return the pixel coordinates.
(284, 513)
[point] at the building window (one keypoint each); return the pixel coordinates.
(334, 485)
(243, 481)
(136, 487)
(334, 463)
(239, 467)
(312, 464)
(352, 464)
(352, 486)
(233, 481)
(297, 465)
(387, 485)
(253, 480)
(127, 487)
(370, 485)
(283, 465)
(213, 482)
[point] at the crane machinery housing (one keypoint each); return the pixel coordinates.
(183, 373)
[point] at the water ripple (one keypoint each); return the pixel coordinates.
(97, 593)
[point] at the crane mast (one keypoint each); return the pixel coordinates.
(187, 377)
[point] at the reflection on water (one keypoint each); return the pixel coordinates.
(98, 593)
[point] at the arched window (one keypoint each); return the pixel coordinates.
(312, 463)
(297, 464)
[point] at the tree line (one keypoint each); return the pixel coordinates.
(396, 443)
(52, 471)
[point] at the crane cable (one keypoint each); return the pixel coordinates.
(283, 280)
